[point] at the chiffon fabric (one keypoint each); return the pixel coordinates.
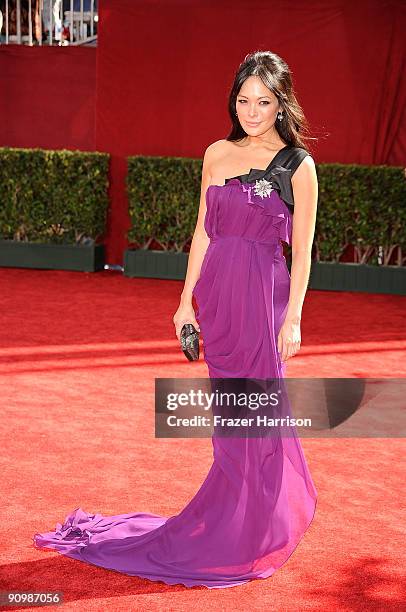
(258, 497)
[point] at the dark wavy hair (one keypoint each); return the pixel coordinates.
(275, 74)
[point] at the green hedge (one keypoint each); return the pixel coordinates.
(362, 206)
(53, 196)
(163, 194)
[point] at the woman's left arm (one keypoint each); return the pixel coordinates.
(305, 192)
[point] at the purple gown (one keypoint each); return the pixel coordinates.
(258, 497)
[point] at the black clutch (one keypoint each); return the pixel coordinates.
(189, 341)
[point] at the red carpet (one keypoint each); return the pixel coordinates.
(79, 353)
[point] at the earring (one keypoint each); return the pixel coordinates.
(280, 115)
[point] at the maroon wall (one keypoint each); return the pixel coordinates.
(164, 70)
(47, 97)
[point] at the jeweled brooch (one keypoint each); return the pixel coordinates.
(263, 188)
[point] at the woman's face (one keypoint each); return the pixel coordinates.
(256, 106)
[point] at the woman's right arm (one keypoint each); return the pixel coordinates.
(200, 242)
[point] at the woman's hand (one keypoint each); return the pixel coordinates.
(184, 314)
(289, 338)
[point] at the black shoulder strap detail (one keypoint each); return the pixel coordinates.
(292, 158)
(289, 159)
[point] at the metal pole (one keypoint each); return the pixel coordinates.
(40, 22)
(61, 13)
(51, 21)
(29, 23)
(91, 17)
(18, 21)
(6, 22)
(81, 20)
(71, 22)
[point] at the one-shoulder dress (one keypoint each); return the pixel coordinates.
(258, 498)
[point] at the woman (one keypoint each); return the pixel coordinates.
(258, 497)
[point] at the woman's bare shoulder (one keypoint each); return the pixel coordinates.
(217, 151)
(218, 147)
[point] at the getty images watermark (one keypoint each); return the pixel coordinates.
(305, 407)
(237, 407)
(245, 401)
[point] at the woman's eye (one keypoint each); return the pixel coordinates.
(262, 102)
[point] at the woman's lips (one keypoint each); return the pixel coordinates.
(252, 124)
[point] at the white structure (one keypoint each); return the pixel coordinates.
(51, 25)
